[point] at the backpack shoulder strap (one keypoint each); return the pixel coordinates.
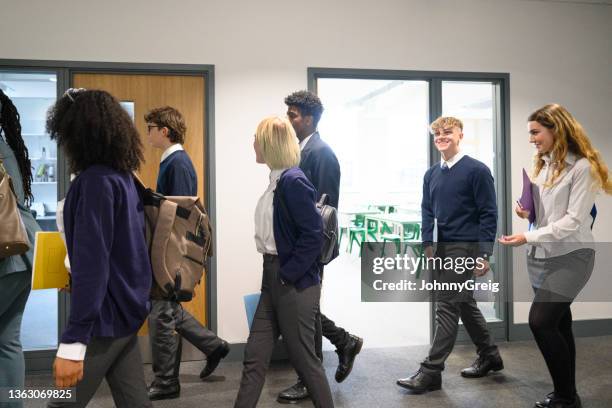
(138, 182)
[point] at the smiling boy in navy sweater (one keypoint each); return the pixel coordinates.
(459, 202)
(177, 177)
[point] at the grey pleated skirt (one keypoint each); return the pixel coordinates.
(563, 277)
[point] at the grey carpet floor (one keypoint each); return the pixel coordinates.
(372, 382)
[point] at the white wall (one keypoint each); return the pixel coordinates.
(553, 51)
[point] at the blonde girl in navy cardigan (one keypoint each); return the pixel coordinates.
(289, 236)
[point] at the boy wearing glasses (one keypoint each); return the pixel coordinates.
(177, 177)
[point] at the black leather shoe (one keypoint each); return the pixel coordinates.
(293, 394)
(552, 401)
(213, 359)
(482, 366)
(346, 357)
(421, 382)
(546, 402)
(159, 392)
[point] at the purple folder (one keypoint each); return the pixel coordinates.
(526, 200)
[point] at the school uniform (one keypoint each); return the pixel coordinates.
(177, 177)
(15, 285)
(560, 261)
(289, 236)
(111, 281)
(459, 207)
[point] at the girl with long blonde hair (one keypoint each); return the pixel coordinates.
(568, 173)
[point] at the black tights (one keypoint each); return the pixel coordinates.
(551, 325)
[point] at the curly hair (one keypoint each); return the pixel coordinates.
(170, 118)
(308, 103)
(11, 128)
(93, 128)
(569, 136)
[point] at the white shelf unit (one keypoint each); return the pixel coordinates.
(46, 217)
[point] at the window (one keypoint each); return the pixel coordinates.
(33, 94)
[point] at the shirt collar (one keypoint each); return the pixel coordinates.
(174, 148)
(570, 158)
(450, 163)
(305, 141)
(275, 175)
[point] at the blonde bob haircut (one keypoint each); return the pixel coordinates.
(278, 143)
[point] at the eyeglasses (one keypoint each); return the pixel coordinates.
(72, 93)
(149, 127)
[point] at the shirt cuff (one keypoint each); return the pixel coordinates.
(531, 237)
(72, 351)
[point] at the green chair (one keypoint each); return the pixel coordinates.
(356, 234)
(391, 238)
(359, 220)
(385, 228)
(372, 229)
(412, 231)
(343, 230)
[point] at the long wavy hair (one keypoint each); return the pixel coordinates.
(11, 128)
(569, 136)
(93, 128)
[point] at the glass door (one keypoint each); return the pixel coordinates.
(378, 129)
(373, 120)
(33, 94)
(475, 103)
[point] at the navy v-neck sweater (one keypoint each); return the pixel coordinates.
(462, 200)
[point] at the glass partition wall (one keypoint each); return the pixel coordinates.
(377, 121)
(33, 94)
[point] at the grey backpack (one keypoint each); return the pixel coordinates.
(329, 215)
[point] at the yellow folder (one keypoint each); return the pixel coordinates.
(49, 270)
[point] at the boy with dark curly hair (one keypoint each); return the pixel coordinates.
(321, 166)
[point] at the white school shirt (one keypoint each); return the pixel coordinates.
(174, 148)
(264, 214)
(563, 211)
(453, 160)
(304, 142)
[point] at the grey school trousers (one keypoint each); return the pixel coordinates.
(119, 361)
(292, 313)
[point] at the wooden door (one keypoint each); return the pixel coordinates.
(148, 91)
